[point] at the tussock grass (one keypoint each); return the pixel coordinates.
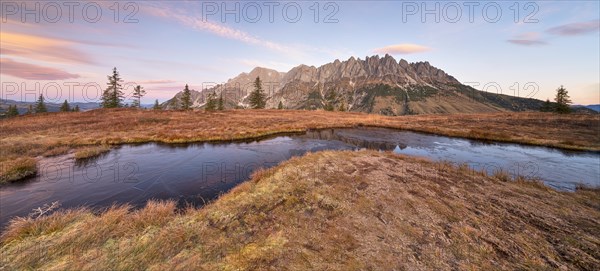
(329, 211)
(91, 152)
(17, 169)
(51, 134)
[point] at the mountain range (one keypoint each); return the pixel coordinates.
(22, 107)
(376, 84)
(595, 107)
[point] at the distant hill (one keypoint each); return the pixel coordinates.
(52, 107)
(373, 85)
(595, 107)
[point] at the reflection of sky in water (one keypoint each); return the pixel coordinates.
(557, 168)
(194, 173)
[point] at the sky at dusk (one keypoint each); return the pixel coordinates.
(525, 48)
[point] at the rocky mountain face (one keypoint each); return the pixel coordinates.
(375, 85)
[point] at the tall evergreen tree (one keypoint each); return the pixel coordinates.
(562, 100)
(40, 106)
(113, 95)
(138, 93)
(156, 105)
(546, 106)
(280, 105)
(12, 111)
(65, 107)
(186, 98)
(257, 97)
(342, 107)
(314, 100)
(211, 102)
(330, 97)
(220, 105)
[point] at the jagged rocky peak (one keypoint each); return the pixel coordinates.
(404, 64)
(265, 74)
(372, 67)
(302, 73)
(430, 73)
(412, 88)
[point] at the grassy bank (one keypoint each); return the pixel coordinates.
(59, 133)
(17, 169)
(91, 152)
(330, 210)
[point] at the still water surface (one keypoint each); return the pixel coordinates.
(195, 173)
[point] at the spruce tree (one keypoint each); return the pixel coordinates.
(257, 97)
(12, 111)
(186, 98)
(138, 93)
(211, 102)
(113, 95)
(220, 105)
(29, 110)
(330, 97)
(280, 105)
(65, 107)
(314, 100)
(76, 108)
(562, 100)
(342, 107)
(156, 105)
(546, 106)
(40, 106)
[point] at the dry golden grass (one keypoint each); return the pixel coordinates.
(91, 151)
(330, 211)
(17, 169)
(57, 133)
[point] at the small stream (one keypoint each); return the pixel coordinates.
(196, 173)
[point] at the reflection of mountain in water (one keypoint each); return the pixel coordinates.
(356, 140)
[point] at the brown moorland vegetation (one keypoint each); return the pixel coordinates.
(362, 210)
(58, 133)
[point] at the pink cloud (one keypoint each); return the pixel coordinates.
(157, 82)
(574, 29)
(33, 72)
(42, 48)
(528, 39)
(404, 48)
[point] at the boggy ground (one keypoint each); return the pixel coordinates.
(24, 138)
(363, 210)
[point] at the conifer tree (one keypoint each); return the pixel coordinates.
(280, 105)
(76, 108)
(113, 96)
(12, 111)
(257, 97)
(546, 106)
(220, 105)
(562, 100)
(138, 93)
(156, 105)
(330, 97)
(186, 98)
(211, 102)
(342, 107)
(65, 107)
(40, 106)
